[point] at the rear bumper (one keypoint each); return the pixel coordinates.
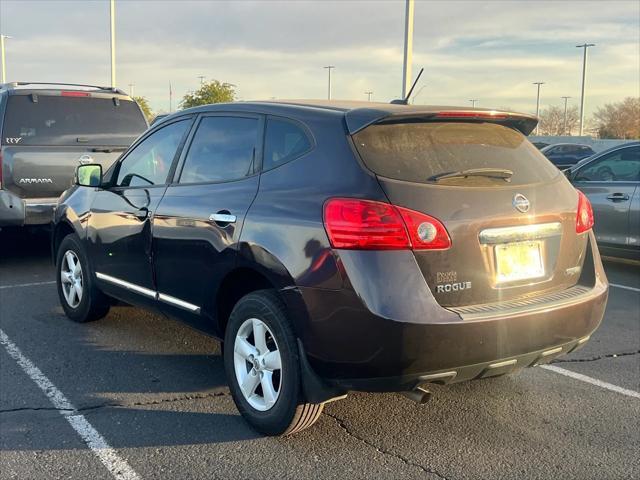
(16, 211)
(352, 346)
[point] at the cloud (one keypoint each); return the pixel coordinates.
(486, 50)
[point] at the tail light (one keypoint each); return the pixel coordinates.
(368, 225)
(584, 218)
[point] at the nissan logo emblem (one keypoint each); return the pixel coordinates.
(521, 203)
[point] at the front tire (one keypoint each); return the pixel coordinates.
(80, 298)
(262, 364)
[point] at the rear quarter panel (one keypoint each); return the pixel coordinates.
(284, 232)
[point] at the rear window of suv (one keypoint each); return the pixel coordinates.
(422, 151)
(58, 120)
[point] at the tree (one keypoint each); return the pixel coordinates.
(619, 120)
(211, 92)
(552, 120)
(144, 106)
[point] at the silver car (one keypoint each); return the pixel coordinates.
(611, 181)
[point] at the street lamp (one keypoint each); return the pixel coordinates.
(113, 43)
(473, 102)
(368, 94)
(585, 46)
(131, 85)
(564, 129)
(538, 105)
(201, 77)
(329, 68)
(2, 54)
(408, 48)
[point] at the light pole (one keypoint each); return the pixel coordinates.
(113, 42)
(2, 54)
(131, 86)
(539, 84)
(564, 128)
(408, 48)
(201, 77)
(585, 46)
(473, 102)
(368, 94)
(329, 68)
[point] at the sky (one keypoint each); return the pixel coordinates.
(491, 51)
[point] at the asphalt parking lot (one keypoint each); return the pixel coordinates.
(155, 392)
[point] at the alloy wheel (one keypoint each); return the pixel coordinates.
(257, 364)
(71, 276)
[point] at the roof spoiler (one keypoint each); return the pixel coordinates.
(359, 119)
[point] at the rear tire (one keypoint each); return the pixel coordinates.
(80, 298)
(261, 354)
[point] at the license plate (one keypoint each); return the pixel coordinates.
(518, 261)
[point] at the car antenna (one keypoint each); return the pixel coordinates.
(405, 101)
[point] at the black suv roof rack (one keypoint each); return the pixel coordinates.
(99, 87)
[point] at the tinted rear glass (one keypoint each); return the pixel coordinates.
(57, 120)
(416, 152)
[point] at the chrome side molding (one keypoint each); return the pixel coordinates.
(163, 297)
(124, 284)
(520, 233)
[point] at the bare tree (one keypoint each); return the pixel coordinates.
(619, 120)
(552, 121)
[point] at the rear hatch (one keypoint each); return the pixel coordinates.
(477, 177)
(46, 135)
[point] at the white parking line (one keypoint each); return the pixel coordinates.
(633, 289)
(20, 285)
(118, 467)
(592, 381)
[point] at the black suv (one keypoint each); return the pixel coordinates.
(46, 131)
(339, 246)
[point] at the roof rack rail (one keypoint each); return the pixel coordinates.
(99, 87)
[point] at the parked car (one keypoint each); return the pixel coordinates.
(565, 155)
(611, 181)
(338, 246)
(540, 145)
(49, 129)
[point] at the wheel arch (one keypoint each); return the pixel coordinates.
(60, 230)
(258, 269)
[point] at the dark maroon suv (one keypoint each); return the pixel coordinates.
(339, 246)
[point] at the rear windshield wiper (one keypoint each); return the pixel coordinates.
(500, 173)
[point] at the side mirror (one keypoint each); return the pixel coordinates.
(89, 175)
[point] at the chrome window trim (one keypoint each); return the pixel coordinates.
(520, 233)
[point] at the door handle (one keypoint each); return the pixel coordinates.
(222, 218)
(618, 197)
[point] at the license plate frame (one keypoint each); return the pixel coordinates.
(518, 261)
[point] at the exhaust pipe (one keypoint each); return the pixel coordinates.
(418, 395)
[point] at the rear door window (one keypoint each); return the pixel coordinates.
(422, 151)
(223, 149)
(60, 120)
